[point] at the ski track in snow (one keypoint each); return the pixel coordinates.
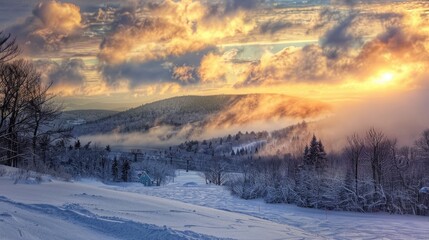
(88, 210)
(112, 226)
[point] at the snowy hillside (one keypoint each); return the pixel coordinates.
(92, 210)
(191, 188)
(174, 111)
(87, 210)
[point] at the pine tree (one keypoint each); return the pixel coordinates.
(311, 182)
(315, 155)
(307, 158)
(115, 170)
(321, 161)
(313, 151)
(125, 171)
(77, 144)
(346, 195)
(232, 153)
(305, 186)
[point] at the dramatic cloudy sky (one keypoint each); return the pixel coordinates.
(116, 54)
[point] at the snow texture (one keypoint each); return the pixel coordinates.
(88, 210)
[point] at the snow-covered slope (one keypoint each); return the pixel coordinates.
(191, 188)
(87, 210)
(184, 209)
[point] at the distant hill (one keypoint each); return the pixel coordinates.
(175, 111)
(77, 117)
(201, 112)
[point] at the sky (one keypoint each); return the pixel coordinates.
(120, 54)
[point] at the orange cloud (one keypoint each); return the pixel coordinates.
(267, 107)
(58, 17)
(213, 68)
(163, 89)
(51, 25)
(171, 28)
(399, 54)
(184, 74)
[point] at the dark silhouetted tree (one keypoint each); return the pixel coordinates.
(354, 151)
(115, 170)
(8, 48)
(77, 144)
(125, 171)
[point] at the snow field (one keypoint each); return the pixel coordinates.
(326, 224)
(88, 210)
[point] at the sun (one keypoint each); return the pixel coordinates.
(384, 78)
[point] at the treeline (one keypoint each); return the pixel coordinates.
(371, 174)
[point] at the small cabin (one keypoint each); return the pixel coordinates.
(145, 179)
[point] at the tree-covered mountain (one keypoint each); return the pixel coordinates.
(77, 117)
(204, 111)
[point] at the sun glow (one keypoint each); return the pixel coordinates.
(384, 78)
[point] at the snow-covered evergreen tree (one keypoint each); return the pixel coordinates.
(125, 171)
(115, 170)
(311, 184)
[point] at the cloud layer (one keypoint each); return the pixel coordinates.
(344, 54)
(66, 76)
(174, 47)
(158, 33)
(51, 25)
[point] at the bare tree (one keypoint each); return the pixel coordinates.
(14, 78)
(8, 48)
(423, 141)
(25, 105)
(375, 140)
(354, 152)
(136, 153)
(422, 157)
(423, 144)
(20, 95)
(42, 111)
(216, 170)
(160, 172)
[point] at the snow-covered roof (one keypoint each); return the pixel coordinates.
(144, 174)
(424, 190)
